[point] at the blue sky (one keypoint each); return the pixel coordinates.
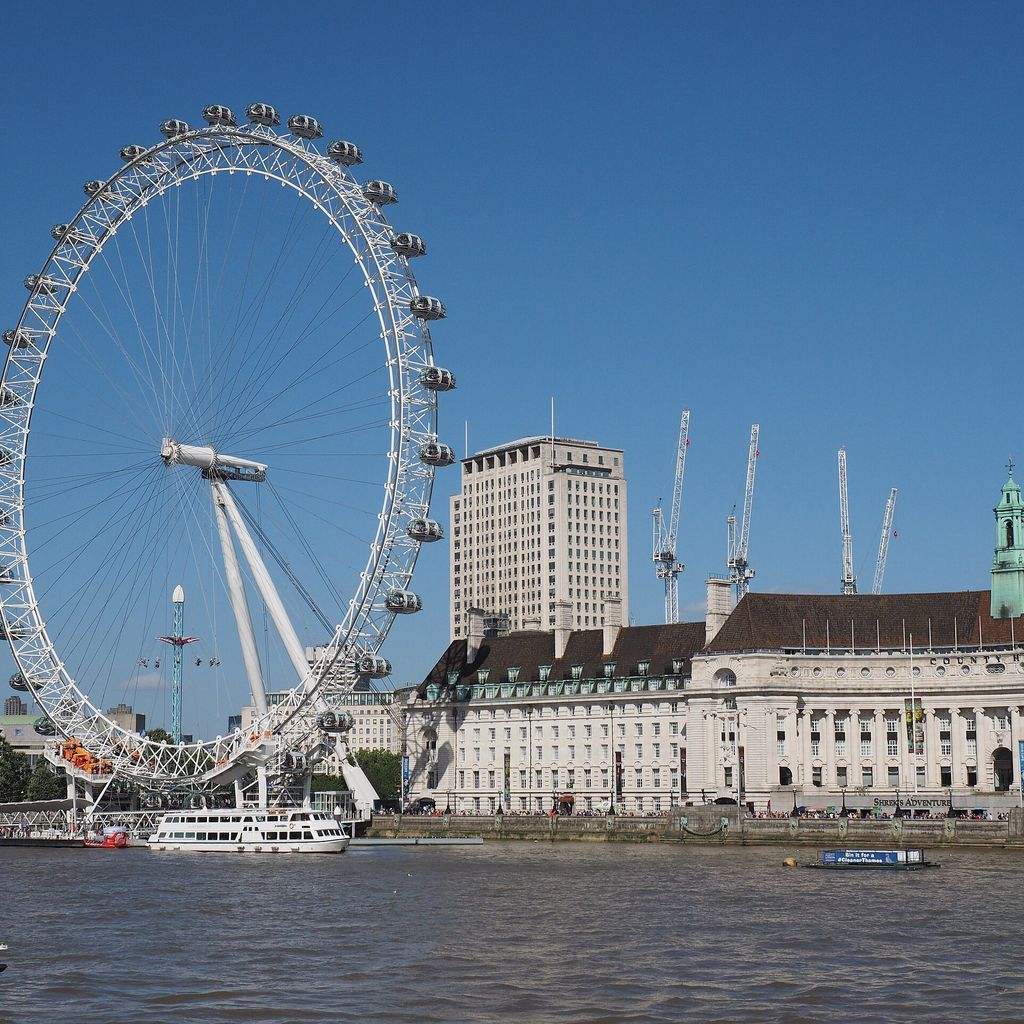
(803, 215)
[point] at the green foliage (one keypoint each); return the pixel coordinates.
(383, 769)
(159, 735)
(44, 784)
(14, 773)
(327, 782)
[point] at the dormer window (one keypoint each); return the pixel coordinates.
(513, 673)
(453, 678)
(643, 667)
(609, 669)
(677, 666)
(577, 671)
(482, 674)
(545, 673)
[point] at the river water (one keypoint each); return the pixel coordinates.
(518, 931)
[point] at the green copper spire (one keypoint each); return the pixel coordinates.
(1008, 564)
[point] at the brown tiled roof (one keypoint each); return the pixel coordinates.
(528, 650)
(862, 621)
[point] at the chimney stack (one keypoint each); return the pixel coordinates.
(719, 607)
(612, 623)
(563, 626)
(475, 636)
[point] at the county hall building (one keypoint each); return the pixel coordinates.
(782, 700)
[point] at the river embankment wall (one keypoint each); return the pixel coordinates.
(712, 825)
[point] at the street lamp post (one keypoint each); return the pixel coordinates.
(611, 749)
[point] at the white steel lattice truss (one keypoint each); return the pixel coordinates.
(291, 724)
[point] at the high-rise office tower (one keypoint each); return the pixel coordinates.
(538, 523)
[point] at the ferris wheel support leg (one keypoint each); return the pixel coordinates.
(243, 621)
(265, 585)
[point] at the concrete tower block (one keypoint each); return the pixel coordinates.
(612, 622)
(475, 635)
(563, 626)
(719, 607)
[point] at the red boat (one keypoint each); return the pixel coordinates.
(112, 839)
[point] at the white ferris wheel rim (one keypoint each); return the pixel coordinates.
(294, 162)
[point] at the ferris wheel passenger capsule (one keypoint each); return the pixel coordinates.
(305, 127)
(347, 153)
(172, 128)
(408, 245)
(263, 113)
(425, 530)
(130, 153)
(403, 602)
(65, 233)
(380, 192)
(434, 454)
(373, 666)
(44, 727)
(41, 285)
(436, 378)
(93, 188)
(16, 339)
(7, 397)
(18, 683)
(426, 307)
(217, 114)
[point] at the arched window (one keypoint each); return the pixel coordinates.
(1009, 533)
(725, 677)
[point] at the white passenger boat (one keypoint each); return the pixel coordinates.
(251, 830)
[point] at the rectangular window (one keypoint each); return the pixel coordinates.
(816, 776)
(728, 778)
(946, 776)
(920, 775)
(893, 777)
(867, 778)
(841, 776)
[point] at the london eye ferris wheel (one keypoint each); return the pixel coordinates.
(222, 379)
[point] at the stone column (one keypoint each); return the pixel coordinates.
(1014, 737)
(956, 737)
(931, 749)
(879, 748)
(828, 736)
(982, 729)
(805, 749)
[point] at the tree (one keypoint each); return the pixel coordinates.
(383, 769)
(14, 773)
(327, 782)
(159, 735)
(44, 784)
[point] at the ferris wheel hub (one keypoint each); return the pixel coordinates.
(212, 462)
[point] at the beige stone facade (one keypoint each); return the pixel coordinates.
(792, 700)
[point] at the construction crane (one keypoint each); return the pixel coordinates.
(849, 579)
(664, 549)
(883, 544)
(740, 573)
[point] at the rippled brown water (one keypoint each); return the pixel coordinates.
(507, 931)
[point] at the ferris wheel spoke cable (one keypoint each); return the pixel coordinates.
(84, 350)
(213, 407)
(245, 327)
(172, 374)
(315, 369)
(86, 634)
(306, 416)
(257, 360)
(141, 569)
(70, 560)
(146, 388)
(72, 517)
